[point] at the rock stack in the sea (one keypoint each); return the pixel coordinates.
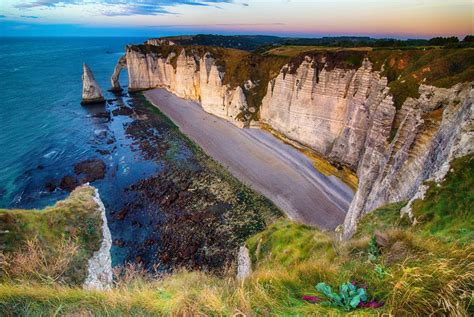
(91, 92)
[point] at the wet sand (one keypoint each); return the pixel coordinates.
(258, 159)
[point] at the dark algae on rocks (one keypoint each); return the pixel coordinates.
(201, 213)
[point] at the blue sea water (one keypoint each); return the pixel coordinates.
(44, 131)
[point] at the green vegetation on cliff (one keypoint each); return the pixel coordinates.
(447, 210)
(261, 42)
(41, 239)
(416, 270)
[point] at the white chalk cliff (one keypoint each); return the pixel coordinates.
(346, 115)
(194, 77)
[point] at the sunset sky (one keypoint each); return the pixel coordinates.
(389, 18)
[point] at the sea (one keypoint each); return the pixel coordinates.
(45, 131)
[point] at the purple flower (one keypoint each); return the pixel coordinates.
(371, 304)
(311, 299)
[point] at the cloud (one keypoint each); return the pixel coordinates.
(123, 7)
(29, 16)
(45, 3)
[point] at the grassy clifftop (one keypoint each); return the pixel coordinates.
(415, 270)
(51, 245)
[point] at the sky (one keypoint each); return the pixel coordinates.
(310, 18)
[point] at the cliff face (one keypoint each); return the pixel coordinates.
(330, 111)
(432, 128)
(345, 113)
(347, 116)
(121, 64)
(193, 77)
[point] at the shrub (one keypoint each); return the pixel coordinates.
(348, 298)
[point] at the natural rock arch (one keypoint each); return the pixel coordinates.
(121, 64)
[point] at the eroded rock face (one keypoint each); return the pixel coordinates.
(435, 128)
(347, 116)
(91, 92)
(330, 111)
(196, 78)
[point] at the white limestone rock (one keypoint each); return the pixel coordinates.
(244, 264)
(121, 64)
(195, 78)
(421, 150)
(91, 92)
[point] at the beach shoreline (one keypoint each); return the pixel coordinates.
(260, 160)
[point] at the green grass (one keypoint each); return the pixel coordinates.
(447, 210)
(422, 269)
(407, 69)
(381, 219)
(76, 219)
(288, 243)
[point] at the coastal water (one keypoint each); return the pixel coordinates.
(167, 203)
(45, 131)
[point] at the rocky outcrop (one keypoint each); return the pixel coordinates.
(244, 264)
(91, 92)
(193, 77)
(121, 64)
(99, 270)
(160, 41)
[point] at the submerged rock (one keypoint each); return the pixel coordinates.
(68, 183)
(91, 92)
(87, 171)
(91, 170)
